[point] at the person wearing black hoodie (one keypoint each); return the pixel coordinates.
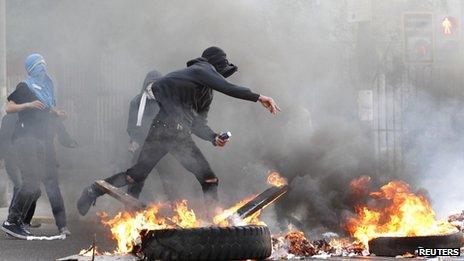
(184, 97)
(142, 110)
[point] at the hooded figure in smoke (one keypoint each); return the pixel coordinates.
(184, 97)
(143, 109)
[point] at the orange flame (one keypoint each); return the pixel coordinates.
(298, 244)
(185, 217)
(126, 226)
(402, 213)
(226, 217)
(275, 179)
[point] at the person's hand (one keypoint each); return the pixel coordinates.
(269, 104)
(133, 146)
(35, 105)
(61, 114)
(219, 142)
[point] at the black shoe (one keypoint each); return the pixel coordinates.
(16, 230)
(87, 199)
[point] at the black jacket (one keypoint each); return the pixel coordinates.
(7, 130)
(9, 126)
(185, 95)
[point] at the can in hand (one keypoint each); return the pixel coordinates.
(223, 136)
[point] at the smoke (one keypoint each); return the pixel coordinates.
(435, 148)
(302, 53)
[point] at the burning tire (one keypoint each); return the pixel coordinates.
(394, 246)
(207, 243)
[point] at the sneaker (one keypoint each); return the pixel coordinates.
(87, 199)
(64, 231)
(16, 230)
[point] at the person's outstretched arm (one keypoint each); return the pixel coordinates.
(214, 80)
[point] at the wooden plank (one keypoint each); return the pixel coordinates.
(128, 200)
(261, 201)
(120, 195)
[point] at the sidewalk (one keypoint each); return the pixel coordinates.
(82, 235)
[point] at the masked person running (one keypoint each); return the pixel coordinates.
(34, 101)
(184, 97)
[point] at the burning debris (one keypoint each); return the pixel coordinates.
(127, 227)
(294, 244)
(298, 245)
(275, 179)
(394, 211)
(457, 220)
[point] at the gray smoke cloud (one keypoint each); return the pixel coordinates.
(303, 53)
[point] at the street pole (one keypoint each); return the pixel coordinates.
(3, 180)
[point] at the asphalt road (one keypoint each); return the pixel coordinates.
(82, 235)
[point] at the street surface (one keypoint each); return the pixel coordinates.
(82, 235)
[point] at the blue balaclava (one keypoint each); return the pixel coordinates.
(38, 80)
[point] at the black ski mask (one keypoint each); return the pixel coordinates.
(217, 57)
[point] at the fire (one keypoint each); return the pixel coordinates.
(298, 245)
(294, 243)
(360, 186)
(185, 217)
(126, 226)
(402, 213)
(275, 179)
(226, 217)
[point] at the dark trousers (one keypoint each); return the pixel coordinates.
(134, 189)
(159, 142)
(37, 164)
(13, 172)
